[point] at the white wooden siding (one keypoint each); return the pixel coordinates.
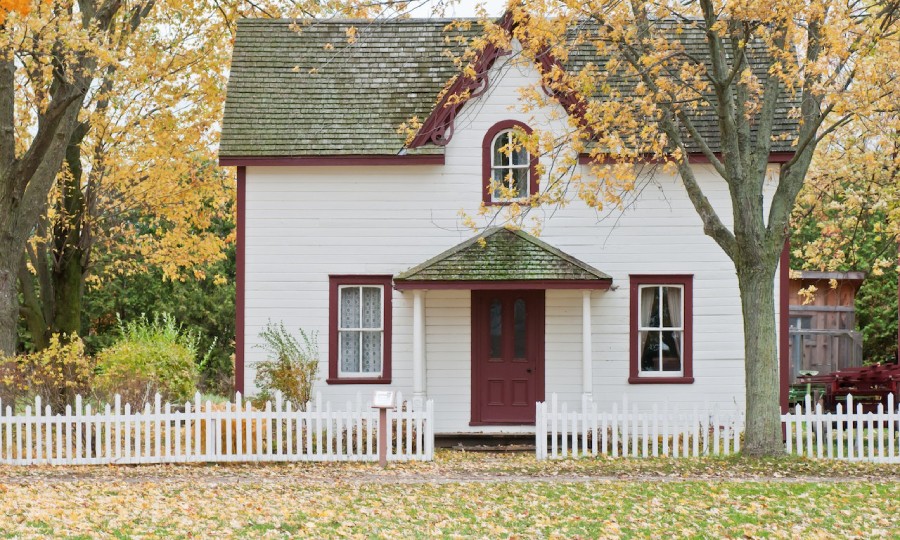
(304, 223)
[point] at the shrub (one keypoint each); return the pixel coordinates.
(292, 365)
(149, 357)
(57, 374)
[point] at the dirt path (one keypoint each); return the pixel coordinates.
(358, 474)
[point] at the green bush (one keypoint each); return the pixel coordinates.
(291, 366)
(149, 357)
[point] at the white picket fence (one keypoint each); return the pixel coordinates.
(844, 434)
(204, 432)
(662, 431)
(700, 431)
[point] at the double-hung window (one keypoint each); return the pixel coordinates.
(661, 340)
(359, 329)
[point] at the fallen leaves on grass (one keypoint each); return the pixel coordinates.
(458, 495)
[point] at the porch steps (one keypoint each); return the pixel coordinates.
(486, 442)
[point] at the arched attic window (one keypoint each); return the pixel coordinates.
(506, 163)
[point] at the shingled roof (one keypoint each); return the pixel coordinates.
(303, 90)
(504, 255)
(309, 92)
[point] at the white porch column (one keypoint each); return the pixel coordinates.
(419, 345)
(587, 378)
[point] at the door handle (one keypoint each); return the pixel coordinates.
(528, 370)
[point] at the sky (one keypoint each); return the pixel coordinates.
(462, 8)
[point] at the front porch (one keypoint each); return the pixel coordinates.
(484, 303)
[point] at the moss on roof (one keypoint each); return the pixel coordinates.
(504, 255)
(310, 92)
(307, 91)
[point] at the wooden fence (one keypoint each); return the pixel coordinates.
(844, 434)
(662, 431)
(206, 432)
(701, 431)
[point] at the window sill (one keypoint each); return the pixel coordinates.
(520, 202)
(660, 380)
(359, 380)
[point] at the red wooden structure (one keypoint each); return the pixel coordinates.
(869, 385)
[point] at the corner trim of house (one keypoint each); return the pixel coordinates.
(240, 259)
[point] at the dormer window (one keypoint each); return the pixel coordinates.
(509, 170)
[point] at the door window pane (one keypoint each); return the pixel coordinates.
(520, 337)
(496, 322)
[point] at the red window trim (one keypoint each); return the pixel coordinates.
(685, 280)
(486, 152)
(334, 282)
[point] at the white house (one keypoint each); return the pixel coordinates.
(346, 230)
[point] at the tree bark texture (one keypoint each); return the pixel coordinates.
(763, 428)
(9, 302)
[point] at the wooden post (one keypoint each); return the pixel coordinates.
(383, 400)
(419, 376)
(382, 436)
(587, 379)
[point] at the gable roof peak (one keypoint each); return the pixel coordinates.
(501, 254)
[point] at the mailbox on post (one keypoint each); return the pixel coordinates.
(383, 400)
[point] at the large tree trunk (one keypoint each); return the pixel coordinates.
(52, 296)
(10, 256)
(69, 290)
(69, 239)
(763, 430)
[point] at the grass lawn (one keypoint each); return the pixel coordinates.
(471, 495)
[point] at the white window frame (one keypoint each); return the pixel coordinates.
(660, 329)
(509, 168)
(340, 352)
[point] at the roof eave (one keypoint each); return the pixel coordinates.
(509, 284)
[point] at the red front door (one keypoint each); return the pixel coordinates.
(507, 356)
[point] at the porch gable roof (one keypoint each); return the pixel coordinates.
(503, 258)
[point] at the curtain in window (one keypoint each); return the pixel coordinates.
(648, 295)
(371, 341)
(361, 348)
(649, 340)
(350, 303)
(371, 312)
(673, 295)
(672, 338)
